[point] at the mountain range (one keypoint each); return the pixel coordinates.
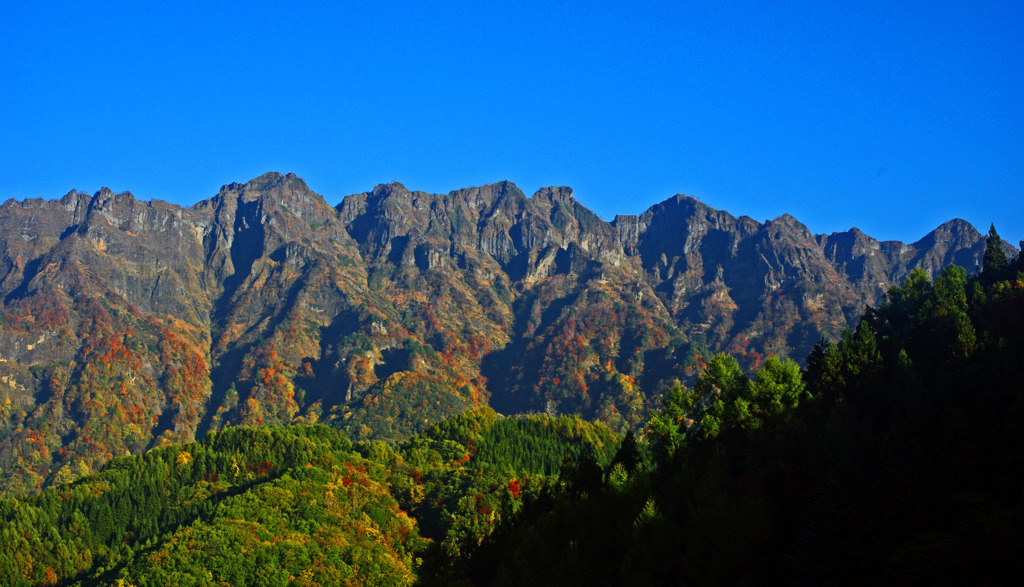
(128, 324)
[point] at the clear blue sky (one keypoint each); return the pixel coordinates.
(889, 116)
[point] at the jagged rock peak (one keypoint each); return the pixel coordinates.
(847, 238)
(680, 204)
(790, 222)
(503, 187)
(843, 247)
(106, 193)
(268, 182)
(957, 225)
(489, 192)
(854, 234)
(788, 219)
(393, 189)
(288, 191)
(274, 183)
(106, 199)
(683, 199)
(957, 229)
(555, 194)
(273, 179)
(73, 199)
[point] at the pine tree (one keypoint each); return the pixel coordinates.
(628, 455)
(816, 362)
(994, 262)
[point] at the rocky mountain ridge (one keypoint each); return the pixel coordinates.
(128, 324)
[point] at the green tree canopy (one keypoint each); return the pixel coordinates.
(994, 262)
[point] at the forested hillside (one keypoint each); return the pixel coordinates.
(893, 457)
(299, 505)
(128, 325)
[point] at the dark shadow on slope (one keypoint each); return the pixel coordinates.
(495, 366)
(746, 283)
(564, 261)
(516, 268)
(801, 339)
(163, 423)
(554, 310)
(361, 227)
(246, 247)
(230, 363)
(69, 231)
(393, 361)
(324, 386)
(31, 269)
(398, 246)
(221, 378)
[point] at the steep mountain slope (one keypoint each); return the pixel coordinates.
(872, 266)
(128, 324)
(747, 287)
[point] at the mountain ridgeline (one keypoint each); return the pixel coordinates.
(127, 325)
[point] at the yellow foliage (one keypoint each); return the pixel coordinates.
(184, 458)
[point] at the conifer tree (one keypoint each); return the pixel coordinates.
(994, 262)
(628, 455)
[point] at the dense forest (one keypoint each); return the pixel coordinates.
(292, 505)
(893, 456)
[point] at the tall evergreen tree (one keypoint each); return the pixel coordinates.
(816, 362)
(628, 455)
(994, 262)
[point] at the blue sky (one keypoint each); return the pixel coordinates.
(892, 117)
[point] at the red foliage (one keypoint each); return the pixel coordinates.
(262, 468)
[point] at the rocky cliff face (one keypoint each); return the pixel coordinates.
(872, 266)
(128, 324)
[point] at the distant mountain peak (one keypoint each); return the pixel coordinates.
(956, 230)
(555, 194)
(391, 189)
(957, 225)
